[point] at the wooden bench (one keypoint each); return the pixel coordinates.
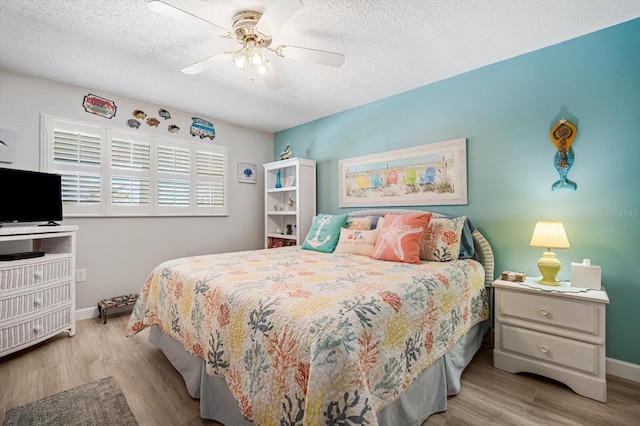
(115, 302)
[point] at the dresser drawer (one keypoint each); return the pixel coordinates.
(33, 301)
(42, 270)
(558, 350)
(574, 315)
(34, 328)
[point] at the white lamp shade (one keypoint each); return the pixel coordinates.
(549, 234)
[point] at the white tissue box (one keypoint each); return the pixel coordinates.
(586, 276)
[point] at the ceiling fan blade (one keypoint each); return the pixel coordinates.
(198, 67)
(322, 57)
(180, 15)
(276, 15)
(271, 78)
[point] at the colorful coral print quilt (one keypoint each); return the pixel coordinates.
(309, 338)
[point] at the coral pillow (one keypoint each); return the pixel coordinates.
(400, 238)
(443, 238)
(356, 241)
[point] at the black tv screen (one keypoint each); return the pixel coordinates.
(28, 196)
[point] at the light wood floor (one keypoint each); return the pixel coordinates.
(157, 395)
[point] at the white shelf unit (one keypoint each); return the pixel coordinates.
(37, 295)
(298, 183)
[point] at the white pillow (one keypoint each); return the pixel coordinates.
(356, 241)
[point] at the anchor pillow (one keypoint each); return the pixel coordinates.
(324, 233)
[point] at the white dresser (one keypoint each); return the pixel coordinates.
(37, 295)
(555, 334)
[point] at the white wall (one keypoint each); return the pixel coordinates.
(118, 253)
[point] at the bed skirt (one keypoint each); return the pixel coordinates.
(425, 396)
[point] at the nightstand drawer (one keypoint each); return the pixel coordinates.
(565, 352)
(574, 315)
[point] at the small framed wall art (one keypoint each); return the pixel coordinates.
(247, 173)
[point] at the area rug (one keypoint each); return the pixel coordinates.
(97, 403)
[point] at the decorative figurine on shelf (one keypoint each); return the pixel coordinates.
(291, 205)
(278, 183)
(562, 136)
(286, 154)
(289, 230)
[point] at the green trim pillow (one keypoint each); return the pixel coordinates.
(324, 233)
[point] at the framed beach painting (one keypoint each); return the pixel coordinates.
(425, 175)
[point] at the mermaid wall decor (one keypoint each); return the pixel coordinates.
(562, 136)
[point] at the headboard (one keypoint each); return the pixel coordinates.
(483, 251)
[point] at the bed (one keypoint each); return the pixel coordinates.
(291, 336)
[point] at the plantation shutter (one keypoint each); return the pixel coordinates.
(76, 151)
(130, 180)
(174, 166)
(210, 179)
(171, 159)
(114, 172)
(80, 188)
(173, 192)
(76, 147)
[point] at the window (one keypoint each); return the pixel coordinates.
(112, 172)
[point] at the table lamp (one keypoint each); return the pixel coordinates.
(549, 234)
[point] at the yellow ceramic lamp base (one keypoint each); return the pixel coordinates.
(549, 267)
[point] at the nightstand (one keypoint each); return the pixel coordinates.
(560, 335)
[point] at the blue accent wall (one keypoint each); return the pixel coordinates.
(505, 111)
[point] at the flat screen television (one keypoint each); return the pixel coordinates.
(27, 196)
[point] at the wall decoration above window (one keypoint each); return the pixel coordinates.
(139, 114)
(153, 122)
(164, 113)
(202, 128)
(432, 174)
(133, 123)
(562, 136)
(99, 106)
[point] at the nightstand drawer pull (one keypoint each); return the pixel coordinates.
(544, 349)
(544, 311)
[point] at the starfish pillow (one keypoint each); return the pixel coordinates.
(400, 238)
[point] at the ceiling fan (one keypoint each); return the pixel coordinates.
(254, 31)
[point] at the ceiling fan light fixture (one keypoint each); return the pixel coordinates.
(240, 60)
(257, 58)
(253, 31)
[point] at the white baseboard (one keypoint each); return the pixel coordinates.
(615, 367)
(86, 313)
(623, 369)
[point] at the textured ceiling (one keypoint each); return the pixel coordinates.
(121, 47)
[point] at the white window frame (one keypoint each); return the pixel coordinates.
(105, 207)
